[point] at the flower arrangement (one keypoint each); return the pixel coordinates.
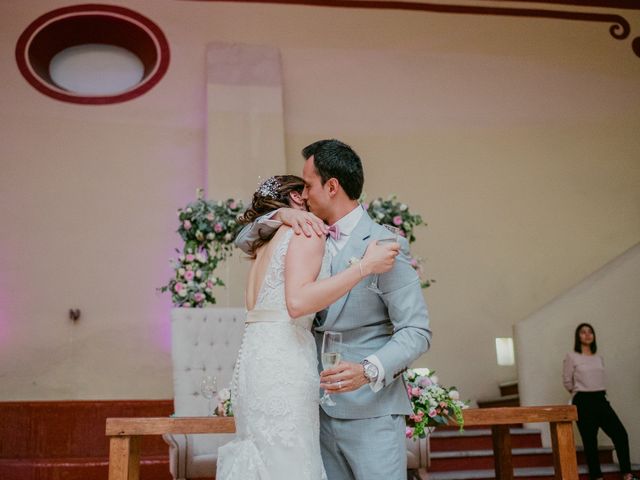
(393, 212)
(208, 229)
(432, 403)
(224, 407)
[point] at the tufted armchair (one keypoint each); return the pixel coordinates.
(205, 341)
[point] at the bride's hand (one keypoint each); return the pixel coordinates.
(302, 222)
(379, 257)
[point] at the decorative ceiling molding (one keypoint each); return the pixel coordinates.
(619, 28)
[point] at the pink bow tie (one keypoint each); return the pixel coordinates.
(334, 232)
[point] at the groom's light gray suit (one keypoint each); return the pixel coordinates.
(362, 437)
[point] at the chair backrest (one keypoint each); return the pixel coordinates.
(204, 341)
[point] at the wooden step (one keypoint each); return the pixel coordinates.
(484, 459)
(508, 388)
(480, 439)
(610, 472)
(505, 401)
(88, 468)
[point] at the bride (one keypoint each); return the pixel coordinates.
(275, 388)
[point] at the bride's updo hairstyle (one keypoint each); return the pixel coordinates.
(270, 195)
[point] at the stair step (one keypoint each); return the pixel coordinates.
(480, 439)
(504, 401)
(484, 459)
(154, 467)
(508, 388)
(610, 471)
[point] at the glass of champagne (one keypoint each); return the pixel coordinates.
(395, 236)
(209, 388)
(331, 356)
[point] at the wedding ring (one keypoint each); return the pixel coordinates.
(339, 384)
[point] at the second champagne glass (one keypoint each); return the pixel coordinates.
(209, 388)
(331, 355)
(395, 236)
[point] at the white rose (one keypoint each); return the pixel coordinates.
(434, 379)
(227, 237)
(210, 236)
(181, 272)
(403, 207)
(183, 293)
(380, 215)
(454, 395)
(376, 203)
(189, 210)
(198, 273)
(424, 372)
(224, 395)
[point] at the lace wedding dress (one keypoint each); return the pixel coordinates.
(275, 389)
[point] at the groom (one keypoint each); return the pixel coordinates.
(363, 435)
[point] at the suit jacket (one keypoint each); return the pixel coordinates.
(393, 325)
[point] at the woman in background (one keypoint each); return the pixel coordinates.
(583, 376)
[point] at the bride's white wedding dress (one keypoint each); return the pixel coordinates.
(275, 389)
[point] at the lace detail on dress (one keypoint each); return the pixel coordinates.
(275, 391)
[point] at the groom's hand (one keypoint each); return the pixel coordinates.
(302, 221)
(345, 377)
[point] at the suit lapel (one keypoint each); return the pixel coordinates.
(355, 247)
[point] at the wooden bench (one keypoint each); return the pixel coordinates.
(124, 436)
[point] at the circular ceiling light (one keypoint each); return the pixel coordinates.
(92, 54)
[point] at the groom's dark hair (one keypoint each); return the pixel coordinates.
(334, 159)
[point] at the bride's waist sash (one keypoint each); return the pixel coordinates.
(277, 316)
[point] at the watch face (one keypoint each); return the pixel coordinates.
(370, 371)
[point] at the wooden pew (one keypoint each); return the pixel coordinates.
(124, 436)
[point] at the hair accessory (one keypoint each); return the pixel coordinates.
(269, 188)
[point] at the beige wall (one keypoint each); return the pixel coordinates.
(516, 139)
(608, 299)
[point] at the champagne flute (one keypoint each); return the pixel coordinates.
(209, 388)
(331, 355)
(396, 233)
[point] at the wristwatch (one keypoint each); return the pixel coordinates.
(370, 371)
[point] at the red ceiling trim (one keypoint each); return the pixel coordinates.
(619, 26)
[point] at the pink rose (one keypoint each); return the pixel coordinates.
(210, 217)
(443, 404)
(416, 392)
(419, 416)
(198, 297)
(217, 227)
(432, 412)
(186, 224)
(397, 220)
(190, 257)
(409, 432)
(365, 206)
(179, 286)
(425, 381)
(233, 205)
(188, 275)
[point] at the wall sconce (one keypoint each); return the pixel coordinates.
(504, 351)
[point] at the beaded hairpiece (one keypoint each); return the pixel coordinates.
(269, 188)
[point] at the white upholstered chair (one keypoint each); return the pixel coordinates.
(205, 341)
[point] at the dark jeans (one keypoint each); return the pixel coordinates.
(594, 412)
